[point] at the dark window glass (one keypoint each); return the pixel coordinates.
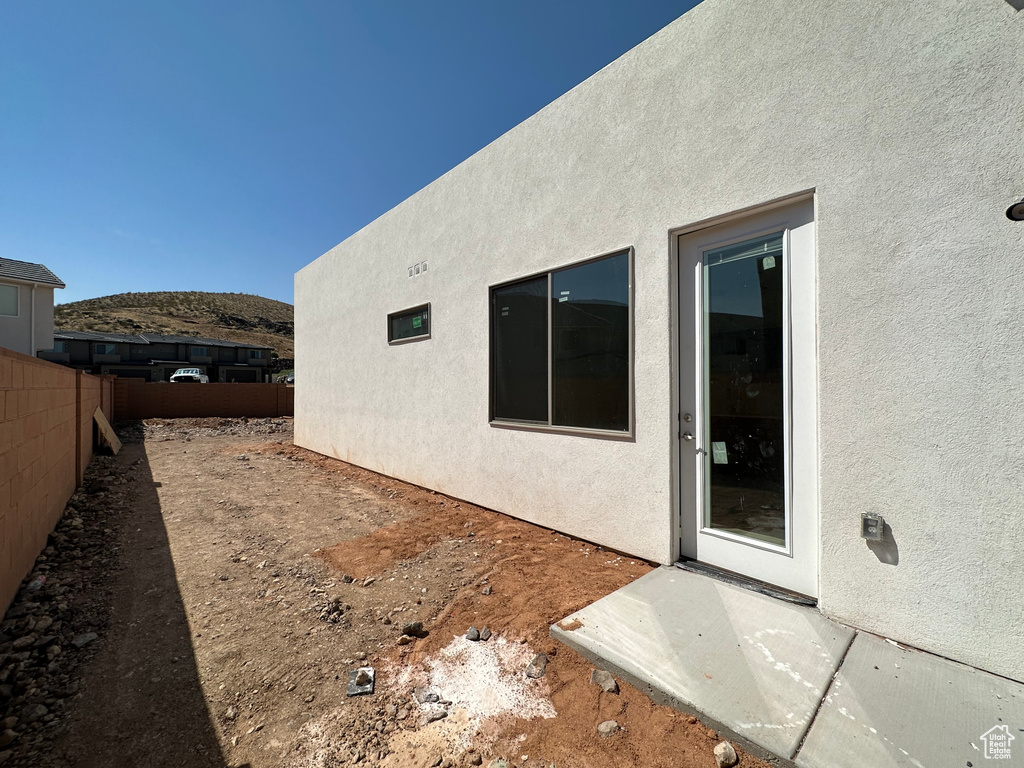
(409, 324)
(744, 349)
(519, 351)
(590, 345)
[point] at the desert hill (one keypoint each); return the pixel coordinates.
(237, 317)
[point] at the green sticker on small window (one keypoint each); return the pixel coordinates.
(417, 322)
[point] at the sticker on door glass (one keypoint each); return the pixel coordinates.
(768, 262)
(718, 453)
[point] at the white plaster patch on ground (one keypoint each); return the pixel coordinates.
(322, 747)
(482, 680)
(487, 679)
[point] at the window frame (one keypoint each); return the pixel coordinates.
(536, 426)
(17, 299)
(418, 337)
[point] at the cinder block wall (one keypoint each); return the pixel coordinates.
(46, 441)
(92, 392)
(136, 399)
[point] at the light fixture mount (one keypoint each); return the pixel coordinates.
(1016, 211)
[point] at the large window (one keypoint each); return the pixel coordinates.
(409, 324)
(561, 348)
(9, 300)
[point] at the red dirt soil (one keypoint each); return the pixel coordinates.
(538, 577)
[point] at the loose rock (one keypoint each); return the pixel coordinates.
(473, 634)
(485, 634)
(604, 679)
(423, 696)
(83, 640)
(608, 728)
(725, 755)
(486, 590)
(414, 629)
(35, 713)
(435, 716)
(537, 667)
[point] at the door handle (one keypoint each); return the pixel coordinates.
(687, 436)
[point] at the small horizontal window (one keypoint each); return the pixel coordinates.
(561, 347)
(255, 354)
(60, 346)
(106, 349)
(199, 351)
(9, 300)
(409, 324)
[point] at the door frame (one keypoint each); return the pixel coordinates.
(805, 471)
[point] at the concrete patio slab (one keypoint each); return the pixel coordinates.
(755, 666)
(892, 707)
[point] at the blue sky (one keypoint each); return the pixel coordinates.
(221, 146)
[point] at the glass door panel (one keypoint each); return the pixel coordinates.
(744, 395)
(748, 457)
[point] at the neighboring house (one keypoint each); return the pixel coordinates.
(155, 357)
(26, 306)
(747, 282)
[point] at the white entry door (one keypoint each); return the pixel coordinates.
(748, 397)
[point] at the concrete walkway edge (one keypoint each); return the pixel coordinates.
(789, 685)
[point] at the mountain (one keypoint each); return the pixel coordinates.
(239, 317)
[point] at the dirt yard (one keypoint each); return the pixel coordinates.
(208, 593)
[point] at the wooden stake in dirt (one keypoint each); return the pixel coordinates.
(106, 430)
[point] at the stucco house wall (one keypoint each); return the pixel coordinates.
(17, 332)
(904, 119)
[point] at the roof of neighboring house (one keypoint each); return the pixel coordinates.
(27, 272)
(112, 338)
(151, 338)
(199, 341)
